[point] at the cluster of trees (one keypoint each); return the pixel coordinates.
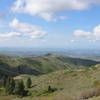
(50, 89)
(20, 87)
(16, 87)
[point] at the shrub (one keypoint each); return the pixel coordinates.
(50, 89)
(28, 83)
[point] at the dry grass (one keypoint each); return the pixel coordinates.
(89, 94)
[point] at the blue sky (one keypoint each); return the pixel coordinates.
(50, 23)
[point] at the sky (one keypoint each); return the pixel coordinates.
(50, 23)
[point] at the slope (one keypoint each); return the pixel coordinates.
(36, 65)
(67, 82)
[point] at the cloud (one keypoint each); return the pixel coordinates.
(92, 36)
(27, 30)
(47, 8)
(10, 35)
(82, 34)
(97, 32)
(36, 34)
(23, 30)
(23, 27)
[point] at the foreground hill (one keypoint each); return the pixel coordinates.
(68, 83)
(36, 65)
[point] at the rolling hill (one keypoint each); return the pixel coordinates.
(69, 84)
(69, 76)
(37, 65)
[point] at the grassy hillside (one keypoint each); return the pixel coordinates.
(68, 83)
(68, 76)
(37, 65)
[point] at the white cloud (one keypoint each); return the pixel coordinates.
(27, 30)
(97, 32)
(82, 34)
(10, 35)
(23, 27)
(36, 34)
(92, 36)
(23, 30)
(47, 8)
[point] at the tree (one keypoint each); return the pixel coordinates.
(4, 81)
(50, 89)
(10, 85)
(29, 83)
(20, 88)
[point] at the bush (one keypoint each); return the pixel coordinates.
(50, 89)
(29, 83)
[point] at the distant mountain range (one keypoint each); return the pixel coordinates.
(91, 53)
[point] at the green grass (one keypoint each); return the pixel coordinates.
(67, 82)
